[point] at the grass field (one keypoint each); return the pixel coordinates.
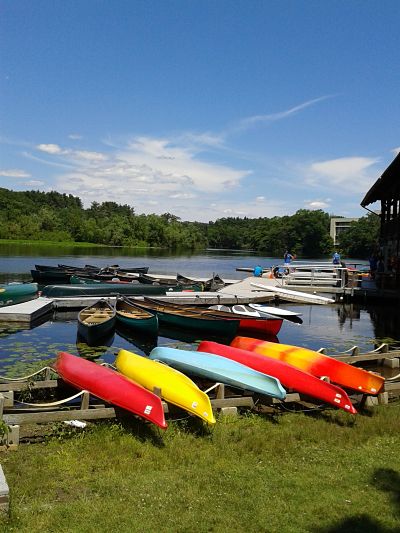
(319, 472)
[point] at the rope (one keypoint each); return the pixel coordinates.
(393, 378)
(53, 404)
(24, 378)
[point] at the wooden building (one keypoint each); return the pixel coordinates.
(386, 190)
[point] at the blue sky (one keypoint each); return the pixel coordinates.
(201, 108)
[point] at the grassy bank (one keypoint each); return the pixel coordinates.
(292, 473)
(52, 243)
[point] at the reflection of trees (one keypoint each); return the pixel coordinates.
(348, 312)
(386, 323)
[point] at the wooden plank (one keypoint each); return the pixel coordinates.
(22, 385)
(242, 401)
(58, 416)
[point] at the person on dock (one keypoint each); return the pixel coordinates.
(287, 257)
(257, 272)
(336, 258)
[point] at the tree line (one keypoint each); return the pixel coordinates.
(52, 216)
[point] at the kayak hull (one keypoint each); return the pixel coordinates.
(110, 386)
(176, 388)
(288, 375)
(315, 363)
(16, 293)
(219, 369)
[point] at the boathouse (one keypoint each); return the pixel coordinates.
(387, 190)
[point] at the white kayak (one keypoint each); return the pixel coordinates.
(276, 311)
(238, 309)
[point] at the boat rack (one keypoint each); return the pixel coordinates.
(382, 354)
(15, 414)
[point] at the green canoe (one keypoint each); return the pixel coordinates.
(102, 289)
(16, 293)
(136, 318)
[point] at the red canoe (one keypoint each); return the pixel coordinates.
(315, 363)
(110, 386)
(288, 375)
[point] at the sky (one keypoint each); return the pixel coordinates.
(200, 108)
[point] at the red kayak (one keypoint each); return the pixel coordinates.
(110, 386)
(288, 375)
(315, 363)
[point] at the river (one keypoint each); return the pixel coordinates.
(336, 327)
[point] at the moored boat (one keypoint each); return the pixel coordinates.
(219, 369)
(16, 293)
(315, 363)
(110, 386)
(102, 289)
(290, 376)
(96, 321)
(248, 323)
(175, 388)
(135, 317)
(176, 317)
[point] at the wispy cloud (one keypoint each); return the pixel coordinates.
(250, 122)
(396, 150)
(14, 173)
(345, 174)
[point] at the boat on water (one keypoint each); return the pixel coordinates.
(175, 388)
(290, 376)
(219, 369)
(191, 319)
(315, 363)
(247, 323)
(96, 322)
(16, 293)
(136, 318)
(110, 386)
(272, 310)
(104, 289)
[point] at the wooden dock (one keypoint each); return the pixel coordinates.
(26, 312)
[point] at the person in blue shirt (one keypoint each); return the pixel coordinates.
(257, 272)
(336, 258)
(287, 258)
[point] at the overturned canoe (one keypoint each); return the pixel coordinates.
(290, 376)
(315, 363)
(175, 387)
(219, 369)
(16, 293)
(101, 289)
(110, 386)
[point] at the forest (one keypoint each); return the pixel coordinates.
(52, 216)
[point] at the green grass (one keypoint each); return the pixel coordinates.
(51, 243)
(322, 473)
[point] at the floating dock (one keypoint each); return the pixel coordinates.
(26, 312)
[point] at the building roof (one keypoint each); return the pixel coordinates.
(386, 187)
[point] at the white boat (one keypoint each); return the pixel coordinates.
(276, 311)
(294, 296)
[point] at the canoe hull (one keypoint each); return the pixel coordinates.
(136, 319)
(16, 293)
(96, 322)
(110, 386)
(288, 375)
(176, 388)
(315, 363)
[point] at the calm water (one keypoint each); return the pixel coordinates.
(336, 327)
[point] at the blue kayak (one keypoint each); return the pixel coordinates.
(219, 369)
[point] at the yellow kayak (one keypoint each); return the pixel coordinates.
(176, 388)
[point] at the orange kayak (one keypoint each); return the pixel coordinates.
(315, 363)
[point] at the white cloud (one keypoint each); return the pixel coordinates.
(14, 173)
(260, 198)
(75, 136)
(316, 204)
(34, 183)
(50, 148)
(346, 174)
(396, 150)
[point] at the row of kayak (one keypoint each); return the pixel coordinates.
(144, 316)
(265, 369)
